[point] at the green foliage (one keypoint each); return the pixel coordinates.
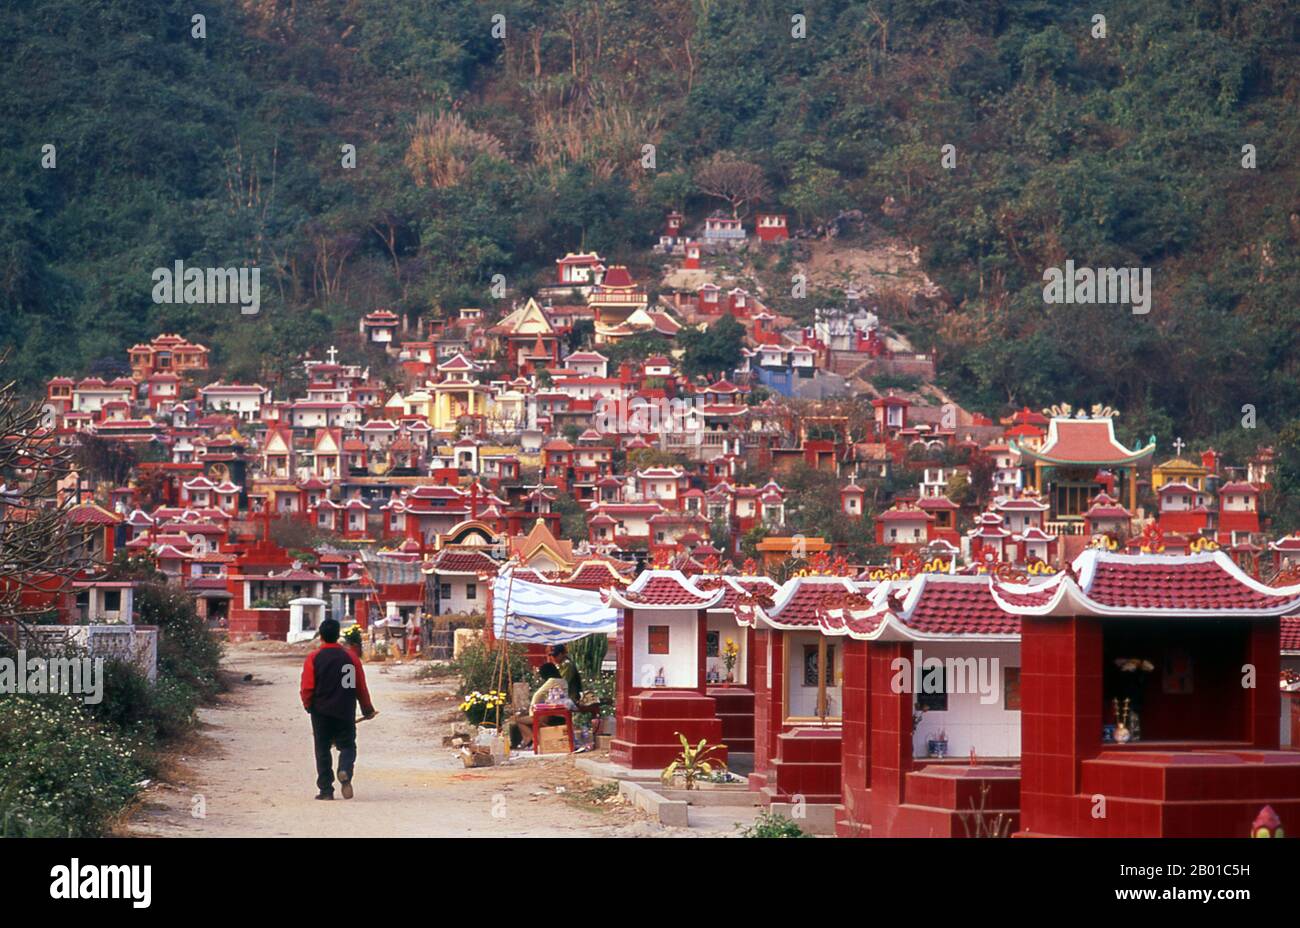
(695, 762)
(188, 654)
(147, 711)
(61, 774)
(1117, 152)
(715, 351)
(573, 518)
(771, 825)
(813, 509)
(478, 668)
(588, 654)
(636, 348)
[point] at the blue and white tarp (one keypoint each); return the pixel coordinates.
(537, 613)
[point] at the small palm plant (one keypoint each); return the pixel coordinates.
(693, 763)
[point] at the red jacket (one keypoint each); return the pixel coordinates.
(333, 682)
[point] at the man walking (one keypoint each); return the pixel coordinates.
(333, 682)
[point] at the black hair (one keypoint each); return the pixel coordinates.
(549, 672)
(329, 631)
(558, 649)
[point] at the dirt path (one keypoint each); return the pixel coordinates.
(252, 772)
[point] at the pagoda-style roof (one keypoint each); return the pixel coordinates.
(92, 514)
(527, 320)
(541, 541)
(1114, 584)
(927, 607)
(1085, 442)
(736, 588)
(461, 561)
(796, 606)
(1105, 506)
(664, 589)
(598, 573)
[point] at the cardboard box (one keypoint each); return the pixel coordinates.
(553, 739)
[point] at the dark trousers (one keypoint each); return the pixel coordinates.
(329, 732)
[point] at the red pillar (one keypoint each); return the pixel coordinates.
(1061, 711)
(623, 682)
(1263, 703)
(855, 751)
(768, 683)
(891, 731)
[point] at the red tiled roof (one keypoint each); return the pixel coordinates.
(1239, 487)
(617, 276)
(801, 608)
(1291, 633)
(664, 591)
(595, 575)
(1085, 441)
(1119, 584)
(464, 562)
(91, 514)
(1027, 599)
(751, 586)
(1192, 585)
(951, 606)
(904, 515)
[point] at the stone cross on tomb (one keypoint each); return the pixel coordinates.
(1179, 445)
(333, 354)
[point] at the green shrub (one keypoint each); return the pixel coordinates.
(588, 654)
(62, 774)
(128, 696)
(771, 825)
(149, 711)
(188, 653)
(477, 668)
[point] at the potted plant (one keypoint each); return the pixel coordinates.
(937, 746)
(692, 764)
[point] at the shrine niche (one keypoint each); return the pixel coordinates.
(921, 740)
(661, 654)
(1148, 662)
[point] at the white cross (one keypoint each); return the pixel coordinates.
(333, 353)
(1179, 445)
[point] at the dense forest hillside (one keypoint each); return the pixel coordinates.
(479, 154)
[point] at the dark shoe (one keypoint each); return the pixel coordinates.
(345, 778)
(325, 795)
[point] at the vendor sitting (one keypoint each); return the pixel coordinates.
(553, 692)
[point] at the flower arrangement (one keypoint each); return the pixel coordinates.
(353, 635)
(480, 707)
(730, 653)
